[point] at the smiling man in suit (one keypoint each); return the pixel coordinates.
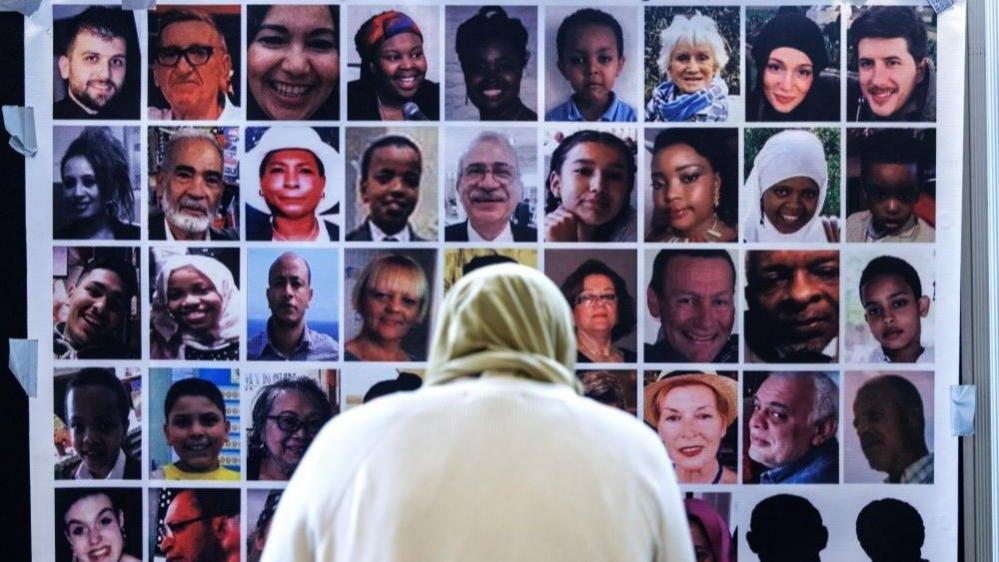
(489, 189)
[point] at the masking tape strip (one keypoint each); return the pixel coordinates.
(962, 410)
(23, 363)
(26, 7)
(20, 123)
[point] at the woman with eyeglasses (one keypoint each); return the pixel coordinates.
(603, 312)
(287, 415)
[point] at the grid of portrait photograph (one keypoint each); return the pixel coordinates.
(258, 209)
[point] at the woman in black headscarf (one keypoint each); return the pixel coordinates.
(790, 55)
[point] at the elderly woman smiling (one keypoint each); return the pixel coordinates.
(692, 412)
(287, 415)
(391, 297)
(691, 55)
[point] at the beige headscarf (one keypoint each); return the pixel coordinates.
(507, 320)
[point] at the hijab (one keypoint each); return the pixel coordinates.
(507, 320)
(227, 330)
(714, 526)
(795, 31)
(788, 154)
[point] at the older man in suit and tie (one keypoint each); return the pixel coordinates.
(489, 189)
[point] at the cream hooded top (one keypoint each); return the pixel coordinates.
(509, 465)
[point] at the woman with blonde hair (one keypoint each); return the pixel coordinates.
(692, 412)
(391, 297)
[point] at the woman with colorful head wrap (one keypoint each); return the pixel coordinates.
(393, 84)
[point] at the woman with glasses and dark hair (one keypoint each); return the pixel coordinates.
(96, 190)
(603, 312)
(287, 415)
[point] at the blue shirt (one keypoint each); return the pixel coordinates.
(819, 466)
(314, 346)
(617, 111)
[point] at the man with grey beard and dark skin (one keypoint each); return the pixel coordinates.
(189, 188)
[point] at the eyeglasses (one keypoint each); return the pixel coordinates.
(170, 530)
(195, 55)
(502, 173)
(591, 299)
(289, 423)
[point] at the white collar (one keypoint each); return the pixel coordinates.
(116, 473)
(378, 235)
(505, 235)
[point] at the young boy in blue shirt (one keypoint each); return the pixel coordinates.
(590, 47)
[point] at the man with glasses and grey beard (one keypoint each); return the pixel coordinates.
(189, 187)
(489, 189)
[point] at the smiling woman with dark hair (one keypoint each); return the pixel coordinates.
(393, 84)
(287, 415)
(293, 63)
(492, 50)
(93, 522)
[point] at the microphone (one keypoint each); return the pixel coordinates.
(412, 112)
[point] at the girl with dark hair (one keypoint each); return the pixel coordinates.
(689, 189)
(790, 55)
(287, 415)
(492, 50)
(293, 63)
(590, 181)
(602, 310)
(93, 522)
(96, 190)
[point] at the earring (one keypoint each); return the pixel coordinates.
(717, 199)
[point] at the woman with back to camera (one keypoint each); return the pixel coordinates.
(293, 63)
(390, 295)
(93, 522)
(96, 190)
(692, 54)
(590, 181)
(603, 312)
(790, 54)
(692, 412)
(492, 51)
(689, 191)
(786, 189)
(195, 311)
(287, 415)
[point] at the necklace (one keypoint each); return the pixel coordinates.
(312, 235)
(596, 354)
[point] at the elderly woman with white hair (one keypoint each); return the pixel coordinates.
(692, 54)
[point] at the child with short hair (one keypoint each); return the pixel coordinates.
(196, 427)
(590, 46)
(894, 306)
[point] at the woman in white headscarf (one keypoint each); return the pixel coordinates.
(290, 177)
(494, 458)
(195, 313)
(785, 191)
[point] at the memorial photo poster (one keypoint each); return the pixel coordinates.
(752, 209)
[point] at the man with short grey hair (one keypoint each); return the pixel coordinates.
(792, 429)
(189, 188)
(489, 189)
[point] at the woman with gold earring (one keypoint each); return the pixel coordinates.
(688, 187)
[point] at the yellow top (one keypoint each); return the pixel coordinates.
(171, 472)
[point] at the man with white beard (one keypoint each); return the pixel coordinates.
(189, 187)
